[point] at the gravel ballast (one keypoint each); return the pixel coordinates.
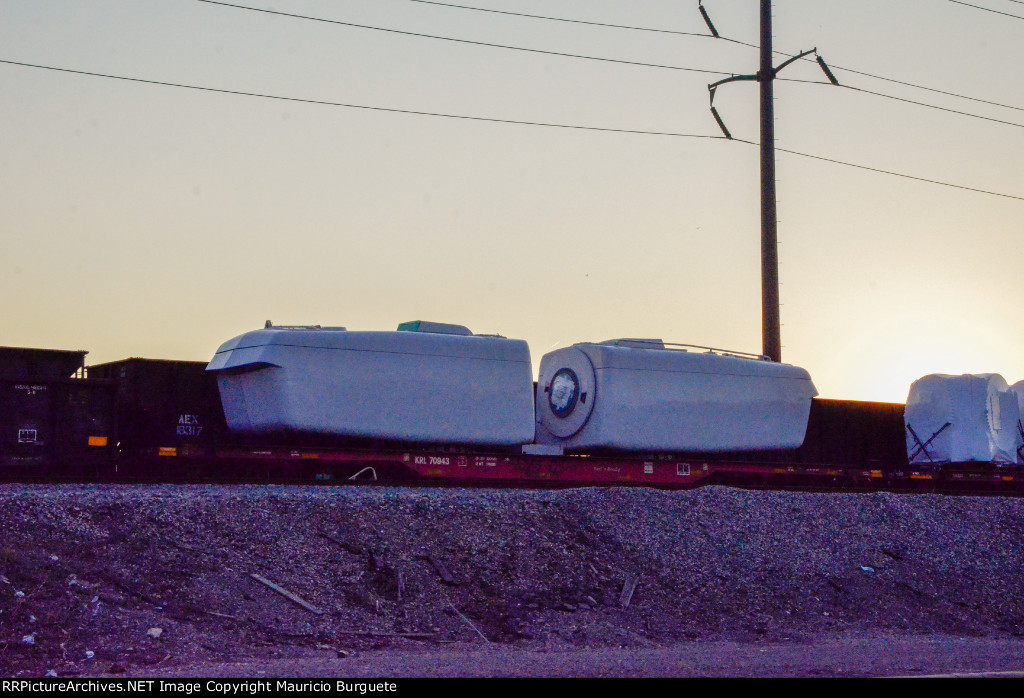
(130, 579)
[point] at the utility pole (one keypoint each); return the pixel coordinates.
(771, 332)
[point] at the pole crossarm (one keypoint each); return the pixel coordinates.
(797, 57)
(714, 86)
(775, 71)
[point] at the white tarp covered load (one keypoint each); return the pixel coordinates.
(1018, 389)
(957, 419)
(434, 383)
(642, 395)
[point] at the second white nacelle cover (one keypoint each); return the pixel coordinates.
(643, 395)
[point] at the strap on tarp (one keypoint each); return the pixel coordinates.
(923, 447)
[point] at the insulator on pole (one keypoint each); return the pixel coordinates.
(707, 20)
(721, 124)
(828, 73)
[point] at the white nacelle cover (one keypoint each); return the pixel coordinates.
(407, 386)
(620, 395)
(980, 411)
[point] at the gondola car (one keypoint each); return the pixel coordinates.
(54, 420)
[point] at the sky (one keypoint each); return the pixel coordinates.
(155, 221)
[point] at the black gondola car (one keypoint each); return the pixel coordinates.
(852, 432)
(52, 418)
(164, 408)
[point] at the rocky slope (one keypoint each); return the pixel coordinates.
(114, 578)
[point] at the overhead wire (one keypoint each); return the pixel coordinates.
(562, 19)
(729, 40)
(883, 95)
(465, 41)
(465, 117)
(932, 106)
(627, 62)
(903, 99)
(986, 9)
(329, 103)
(889, 172)
(927, 89)
(905, 83)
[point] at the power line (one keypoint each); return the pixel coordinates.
(464, 117)
(730, 40)
(892, 80)
(595, 58)
(562, 19)
(885, 79)
(893, 174)
(928, 89)
(933, 106)
(986, 9)
(911, 101)
(465, 41)
(904, 99)
(327, 103)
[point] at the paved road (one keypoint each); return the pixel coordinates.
(846, 656)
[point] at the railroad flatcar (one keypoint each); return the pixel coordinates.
(334, 405)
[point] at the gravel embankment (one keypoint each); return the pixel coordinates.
(116, 578)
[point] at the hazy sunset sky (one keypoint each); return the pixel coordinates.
(157, 221)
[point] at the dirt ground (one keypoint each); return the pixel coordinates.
(843, 656)
(196, 580)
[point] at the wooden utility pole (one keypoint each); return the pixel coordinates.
(771, 332)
